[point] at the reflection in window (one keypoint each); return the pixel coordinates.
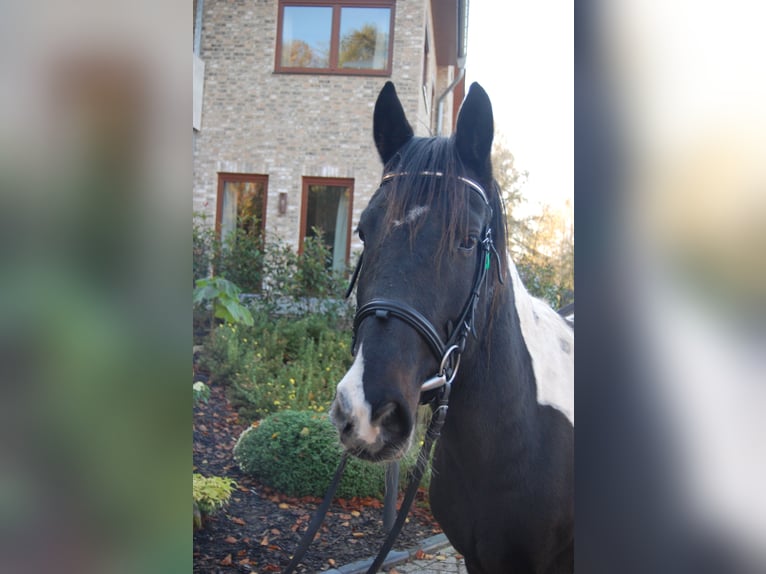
(241, 204)
(328, 209)
(306, 33)
(335, 36)
(364, 38)
(240, 219)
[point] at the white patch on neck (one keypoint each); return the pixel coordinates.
(412, 215)
(550, 342)
(352, 391)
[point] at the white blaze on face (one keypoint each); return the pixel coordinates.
(550, 342)
(350, 393)
(412, 215)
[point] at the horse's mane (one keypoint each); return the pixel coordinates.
(441, 194)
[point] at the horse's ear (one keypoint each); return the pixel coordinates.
(390, 127)
(475, 129)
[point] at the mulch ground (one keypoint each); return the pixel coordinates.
(260, 528)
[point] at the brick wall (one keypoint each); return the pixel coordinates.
(291, 125)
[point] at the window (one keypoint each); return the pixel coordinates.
(240, 219)
(337, 37)
(241, 203)
(326, 207)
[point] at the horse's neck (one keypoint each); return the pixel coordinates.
(495, 391)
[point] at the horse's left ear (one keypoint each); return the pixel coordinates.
(475, 129)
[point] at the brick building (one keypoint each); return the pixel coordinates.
(284, 94)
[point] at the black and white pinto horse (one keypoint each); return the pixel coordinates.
(435, 302)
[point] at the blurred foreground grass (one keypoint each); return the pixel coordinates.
(94, 300)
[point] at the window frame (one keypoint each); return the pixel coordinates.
(308, 181)
(225, 177)
(333, 67)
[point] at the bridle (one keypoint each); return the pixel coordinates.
(447, 352)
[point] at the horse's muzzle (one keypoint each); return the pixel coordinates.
(376, 434)
(375, 425)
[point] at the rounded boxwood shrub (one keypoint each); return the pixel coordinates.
(297, 452)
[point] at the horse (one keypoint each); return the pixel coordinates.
(435, 304)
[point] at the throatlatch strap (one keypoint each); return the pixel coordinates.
(355, 275)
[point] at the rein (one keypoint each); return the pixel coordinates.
(447, 354)
(439, 414)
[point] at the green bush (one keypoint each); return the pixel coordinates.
(239, 256)
(225, 351)
(279, 271)
(203, 240)
(297, 347)
(314, 276)
(280, 363)
(211, 493)
(297, 452)
(270, 268)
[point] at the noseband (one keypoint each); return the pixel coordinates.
(447, 352)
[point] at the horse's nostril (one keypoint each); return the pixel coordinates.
(347, 428)
(383, 412)
(392, 416)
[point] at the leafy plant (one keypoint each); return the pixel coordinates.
(287, 346)
(297, 452)
(224, 297)
(201, 392)
(210, 495)
(281, 362)
(314, 274)
(203, 246)
(279, 269)
(239, 256)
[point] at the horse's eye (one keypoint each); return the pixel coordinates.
(361, 235)
(469, 242)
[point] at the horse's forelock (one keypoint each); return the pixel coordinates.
(447, 200)
(412, 189)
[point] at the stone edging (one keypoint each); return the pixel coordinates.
(427, 546)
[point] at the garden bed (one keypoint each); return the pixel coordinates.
(260, 529)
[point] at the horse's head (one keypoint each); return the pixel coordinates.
(427, 235)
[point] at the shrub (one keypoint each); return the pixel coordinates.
(297, 452)
(239, 256)
(203, 240)
(279, 270)
(211, 493)
(314, 275)
(279, 363)
(294, 364)
(225, 352)
(297, 346)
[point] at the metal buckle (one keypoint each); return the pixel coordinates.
(441, 378)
